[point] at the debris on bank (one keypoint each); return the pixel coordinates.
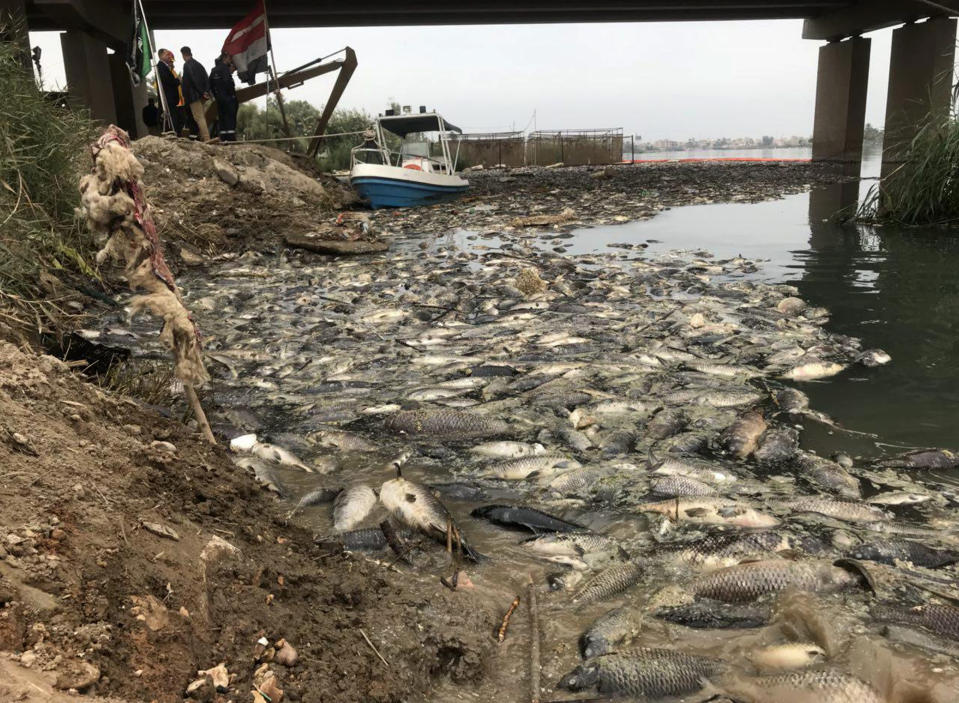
(213, 198)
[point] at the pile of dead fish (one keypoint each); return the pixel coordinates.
(639, 418)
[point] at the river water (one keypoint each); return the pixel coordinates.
(896, 289)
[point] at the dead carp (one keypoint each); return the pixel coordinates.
(609, 582)
(448, 424)
(814, 686)
(777, 447)
(673, 486)
(889, 551)
(352, 506)
(652, 673)
(746, 582)
(742, 437)
(923, 459)
(792, 655)
(616, 627)
(939, 618)
(710, 510)
(813, 371)
(524, 518)
(709, 615)
(507, 450)
(838, 509)
(828, 475)
(529, 466)
(729, 549)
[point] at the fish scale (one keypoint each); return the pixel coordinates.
(445, 423)
(811, 686)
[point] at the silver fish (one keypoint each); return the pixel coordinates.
(451, 424)
(647, 672)
(615, 628)
(839, 509)
(609, 582)
(746, 582)
(519, 469)
(813, 686)
(352, 506)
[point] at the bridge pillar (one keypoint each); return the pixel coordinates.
(13, 26)
(841, 100)
(89, 77)
(920, 83)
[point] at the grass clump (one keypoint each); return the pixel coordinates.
(924, 188)
(42, 150)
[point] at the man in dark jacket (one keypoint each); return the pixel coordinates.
(196, 89)
(170, 85)
(224, 91)
(151, 116)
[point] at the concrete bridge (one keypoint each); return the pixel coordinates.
(920, 76)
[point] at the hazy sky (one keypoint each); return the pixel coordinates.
(658, 80)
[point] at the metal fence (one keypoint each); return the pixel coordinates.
(571, 147)
(575, 147)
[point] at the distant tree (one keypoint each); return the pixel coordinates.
(767, 141)
(871, 135)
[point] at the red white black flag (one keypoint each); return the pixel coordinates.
(249, 43)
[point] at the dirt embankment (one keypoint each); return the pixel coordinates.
(134, 555)
(213, 197)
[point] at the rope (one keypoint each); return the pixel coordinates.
(293, 139)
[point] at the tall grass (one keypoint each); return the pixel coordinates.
(42, 153)
(924, 188)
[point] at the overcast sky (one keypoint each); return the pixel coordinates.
(658, 80)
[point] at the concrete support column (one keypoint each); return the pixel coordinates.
(920, 82)
(89, 77)
(841, 100)
(13, 26)
(129, 101)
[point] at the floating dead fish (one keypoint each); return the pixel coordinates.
(742, 437)
(609, 582)
(507, 450)
(792, 655)
(647, 672)
(746, 582)
(813, 686)
(838, 509)
(530, 466)
(445, 424)
(352, 506)
(525, 518)
(708, 510)
(615, 628)
(813, 371)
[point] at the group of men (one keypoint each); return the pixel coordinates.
(186, 96)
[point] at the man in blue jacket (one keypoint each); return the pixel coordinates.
(196, 88)
(224, 92)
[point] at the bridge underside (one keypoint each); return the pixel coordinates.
(920, 78)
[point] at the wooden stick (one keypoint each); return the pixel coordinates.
(501, 635)
(534, 665)
(373, 647)
(198, 413)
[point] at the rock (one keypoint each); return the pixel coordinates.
(161, 530)
(226, 172)
(216, 548)
(201, 690)
(285, 654)
(79, 675)
(163, 446)
(28, 659)
(150, 611)
(219, 676)
(265, 681)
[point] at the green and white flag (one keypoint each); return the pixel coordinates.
(138, 51)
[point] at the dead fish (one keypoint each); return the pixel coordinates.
(524, 518)
(792, 401)
(718, 369)
(777, 446)
(648, 672)
(264, 472)
(939, 618)
(891, 550)
(575, 439)
(415, 506)
(693, 468)
(507, 450)
(923, 459)
(812, 686)
(519, 469)
(791, 306)
(352, 506)
(746, 582)
(729, 549)
(578, 482)
(610, 630)
(707, 510)
(812, 371)
(609, 582)
(873, 357)
(839, 509)
(574, 544)
(742, 437)
(673, 486)
(315, 497)
(792, 655)
(665, 424)
(710, 615)
(448, 423)
(899, 498)
(267, 452)
(828, 475)
(342, 440)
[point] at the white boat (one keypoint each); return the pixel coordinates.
(420, 173)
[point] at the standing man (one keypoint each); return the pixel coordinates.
(196, 89)
(170, 85)
(224, 91)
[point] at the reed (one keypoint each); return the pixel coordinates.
(42, 152)
(924, 188)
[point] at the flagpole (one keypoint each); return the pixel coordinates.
(167, 116)
(272, 72)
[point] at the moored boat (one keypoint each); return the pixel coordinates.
(422, 172)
